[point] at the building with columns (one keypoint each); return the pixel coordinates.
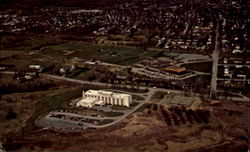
(91, 98)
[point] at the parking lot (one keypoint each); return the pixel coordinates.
(68, 122)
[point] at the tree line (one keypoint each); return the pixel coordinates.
(178, 115)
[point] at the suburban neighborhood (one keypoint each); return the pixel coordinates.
(124, 76)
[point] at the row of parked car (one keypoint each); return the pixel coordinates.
(81, 113)
(73, 118)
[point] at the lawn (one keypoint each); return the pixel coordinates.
(116, 107)
(105, 121)
(116, 55)
(136, 97)
(82, 50)
(28, 44)
(133, 104)
(55, 54)
(22, 60)
(112, 114)
(9, 53)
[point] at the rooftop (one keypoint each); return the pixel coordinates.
(106, 93)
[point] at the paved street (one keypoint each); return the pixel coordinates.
(106, 84)
(147, 98)
(215, 63)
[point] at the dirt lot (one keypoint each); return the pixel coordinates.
(156, 128)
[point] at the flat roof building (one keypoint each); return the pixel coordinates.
(91, 98)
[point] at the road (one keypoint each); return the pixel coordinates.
(150, 94)
(107, 84)
(223, 79)
(215, 58)
(233, 65)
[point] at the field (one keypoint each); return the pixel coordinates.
(49, 52)
(8, 53)
(30, 44)
(115, 55)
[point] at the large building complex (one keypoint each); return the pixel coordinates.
(100, 97)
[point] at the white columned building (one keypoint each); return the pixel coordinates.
(100, 97)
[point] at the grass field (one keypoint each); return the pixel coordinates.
(133, 104)
(112, 114)
(136, 97)
(46, 53)
(8, 53)
(28, 44)
(105, 121)
(117, 55)
(116, 107)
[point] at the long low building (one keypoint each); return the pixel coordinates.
(91, 98)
